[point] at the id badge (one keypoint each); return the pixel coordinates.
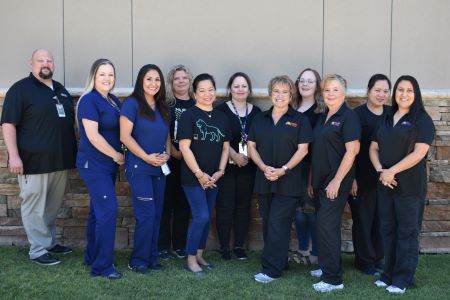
(243, 149)
(60, 109)
(165, 169)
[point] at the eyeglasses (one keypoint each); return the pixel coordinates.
(309, 81)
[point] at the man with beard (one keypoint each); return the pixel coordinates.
(38, 129)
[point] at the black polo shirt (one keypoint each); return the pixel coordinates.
(46, 142)
(329, 146)
(207, 132)
(235, 127)
(396, 142)
(366, 175)
(276, 144)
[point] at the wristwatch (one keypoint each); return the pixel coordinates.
(286, 169)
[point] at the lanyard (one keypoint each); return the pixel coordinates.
(243, 124)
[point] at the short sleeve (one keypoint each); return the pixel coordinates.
(130, 109)
(87, 109)
(185, 127)
(305, 132)
(228, 135)
(425, 130)
(12, 107)
(351, 129)
(253, 128)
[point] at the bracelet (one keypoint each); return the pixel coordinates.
(198, 170)
(221, 171)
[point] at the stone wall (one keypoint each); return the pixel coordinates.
(435, 236)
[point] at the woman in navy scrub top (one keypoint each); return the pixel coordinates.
(144, 130)
(398, 150)
(98, 158)
(310, 103)
(204, 142)
(277, 143)
(336, 144)
(363, 200)
(236, 187)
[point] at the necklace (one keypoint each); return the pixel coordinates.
(208, 113)
(112, 103)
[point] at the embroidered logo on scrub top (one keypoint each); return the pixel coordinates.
(406, 123)
(207, 130)
(64, 95)
(292, 124)
(335, 124)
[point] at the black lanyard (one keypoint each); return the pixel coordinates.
(243, 124)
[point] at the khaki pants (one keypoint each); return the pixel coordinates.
(42, 196)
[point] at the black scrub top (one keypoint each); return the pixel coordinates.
(366, 175)
(276, 144)
(312, 117)
(236, 134)
(329, 146)
(397, 141)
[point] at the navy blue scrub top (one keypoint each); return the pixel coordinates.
(329, 146)
(95, 108)
(276, 144)
(150, 135)
(396, 142)
(366, 175)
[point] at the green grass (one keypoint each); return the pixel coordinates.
(22, 279)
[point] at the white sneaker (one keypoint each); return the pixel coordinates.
(380, 283)
(316, 273)
(395, 290)
(324, 287)
(263, 278)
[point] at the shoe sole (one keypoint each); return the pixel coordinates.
(65, 252)
(263, 281)
(336, 288)
(46, 264)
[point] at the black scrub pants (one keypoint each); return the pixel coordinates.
(176, 212)
(233, 208)
(329, 235)
(400, 218)
(366, 228)
(277, 212)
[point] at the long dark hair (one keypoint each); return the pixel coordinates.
(417, 106)
(416, 109)
(233, 77)
(160, 97)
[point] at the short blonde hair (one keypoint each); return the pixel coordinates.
(283, 80)
(331, 77)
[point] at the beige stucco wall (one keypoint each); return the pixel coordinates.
(355, 38)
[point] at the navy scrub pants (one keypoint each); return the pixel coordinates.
(400, 218)
(277, 212)
(101, 224)
(202, 204)
(329, 235)
(366, 228)
(148, 196)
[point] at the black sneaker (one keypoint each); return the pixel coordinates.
(180, 253)
(165, 254)
(226, 254)
(138, 269)
(240, 253)
(47, 260)
(60, 249)
(156, 268)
